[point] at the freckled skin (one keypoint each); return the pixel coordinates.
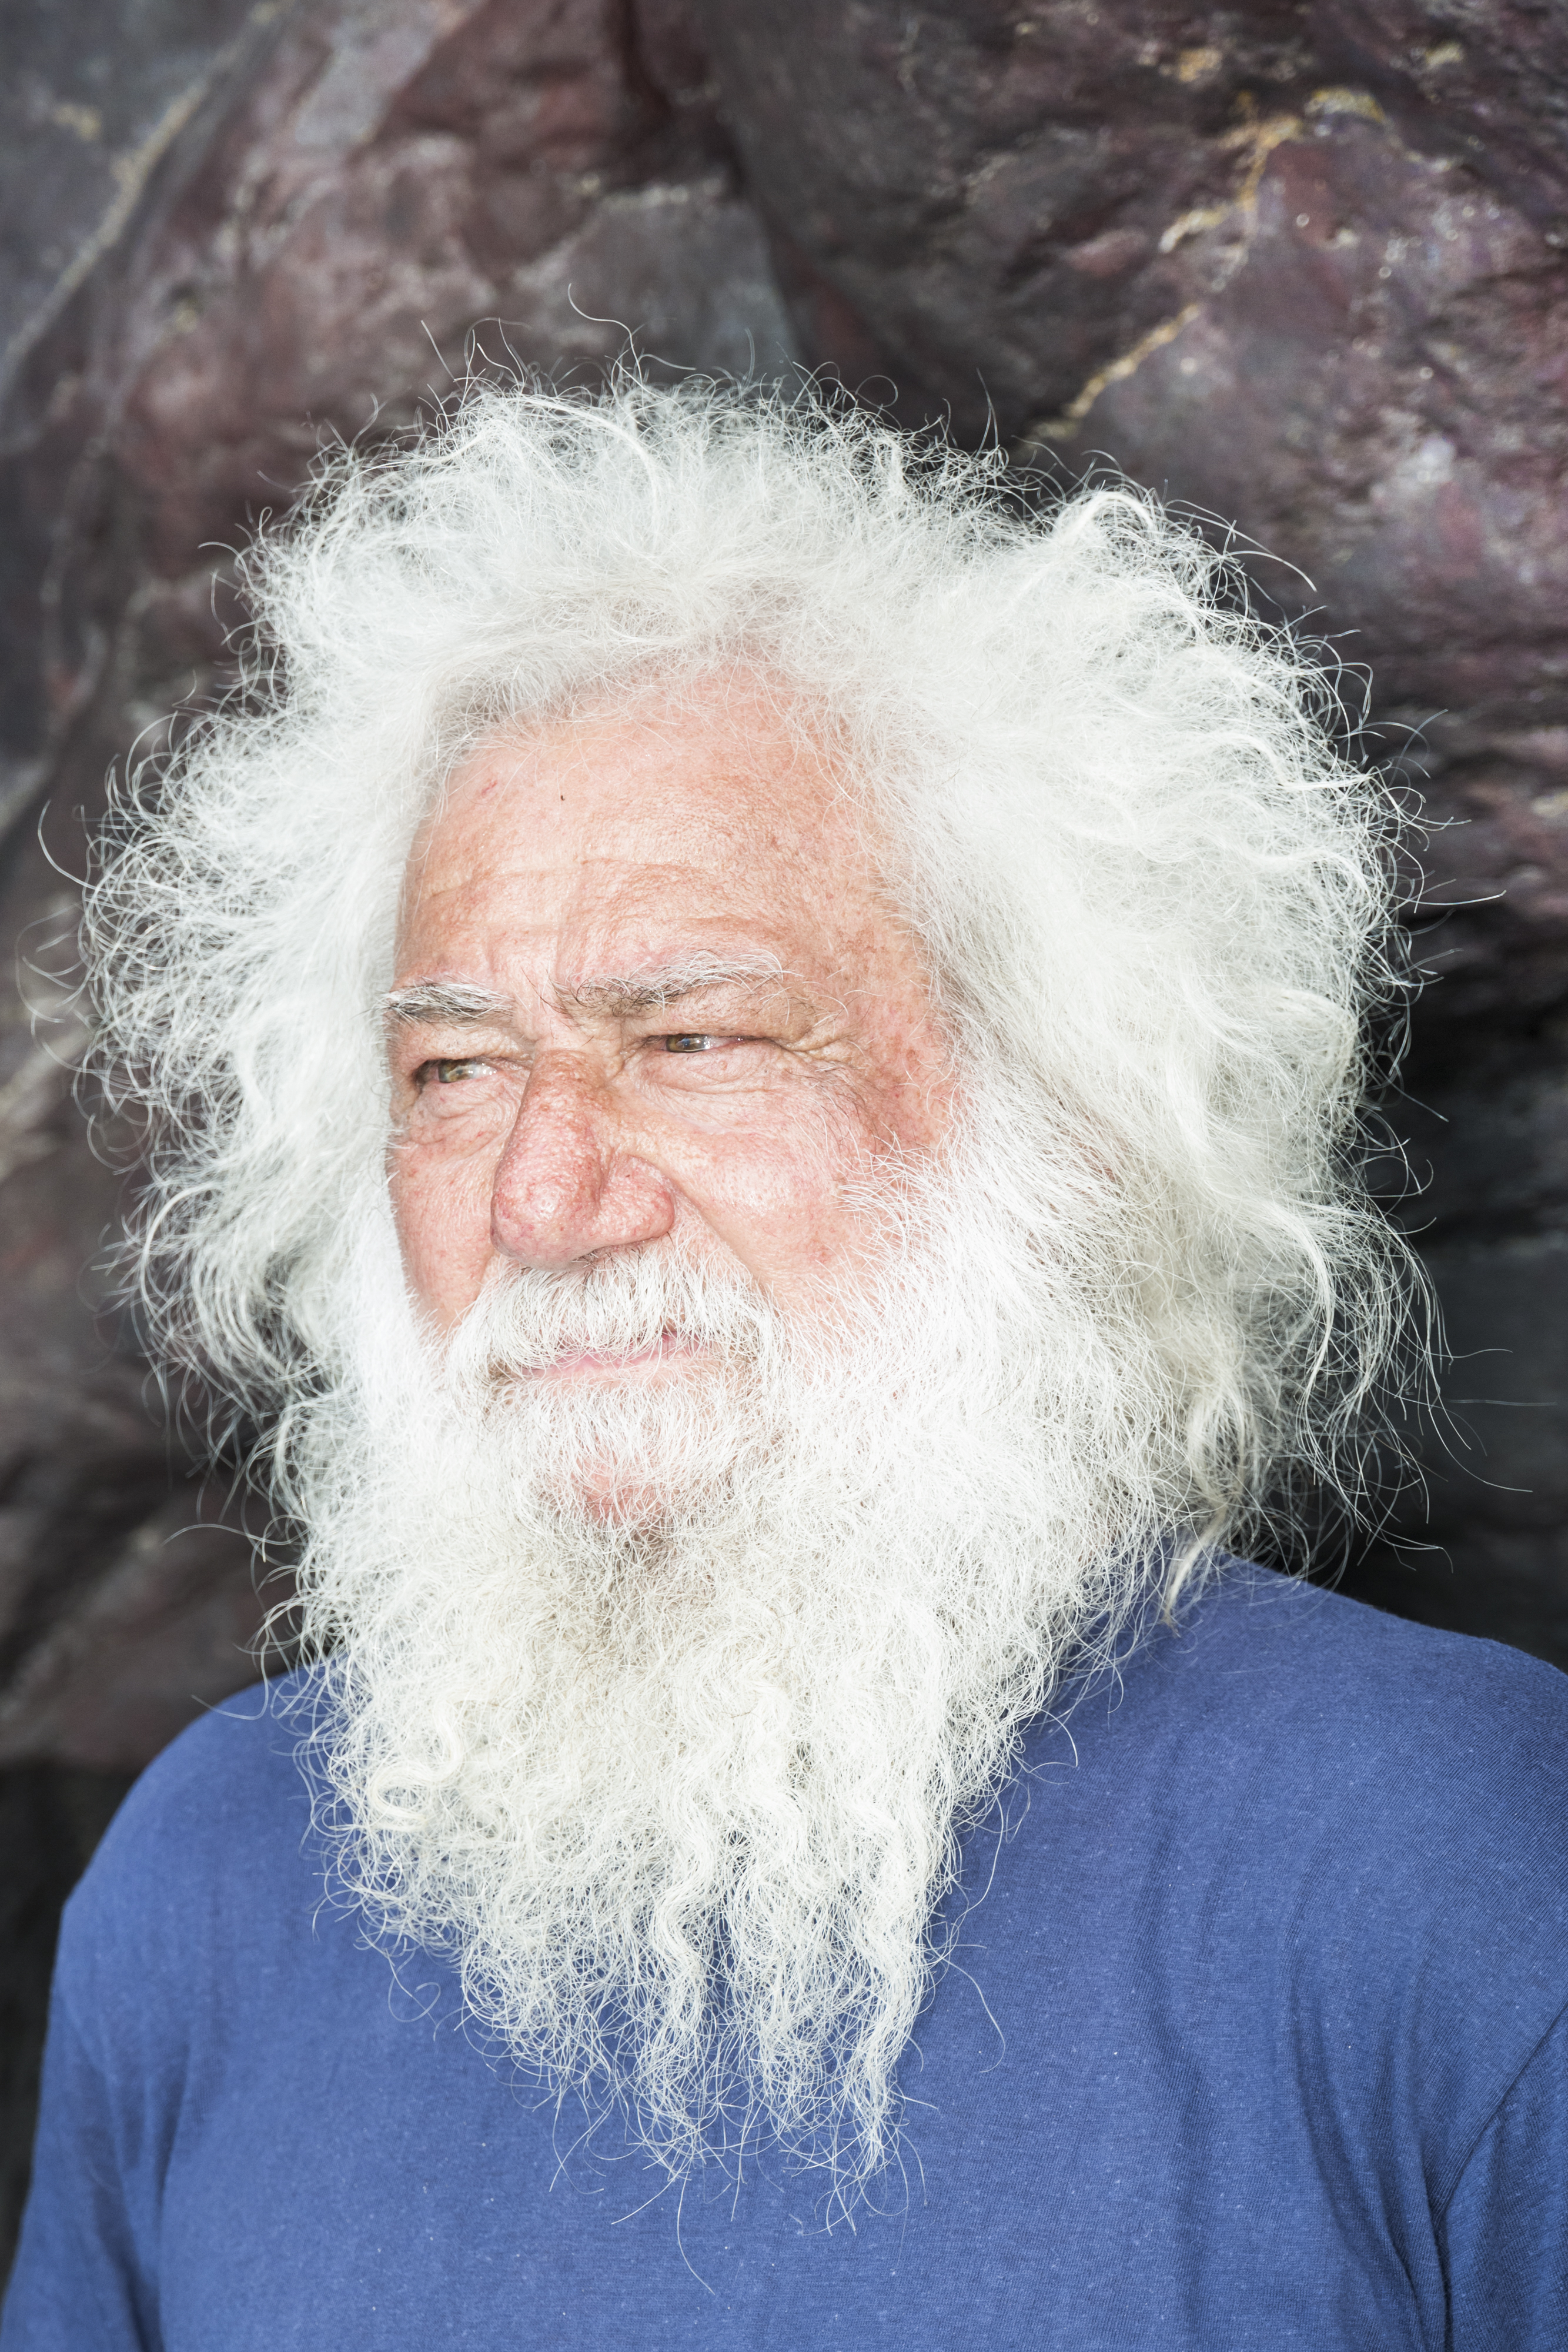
(555, 1132)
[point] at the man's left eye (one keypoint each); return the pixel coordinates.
(688, 1045)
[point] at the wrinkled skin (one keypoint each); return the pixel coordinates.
(737, 1118)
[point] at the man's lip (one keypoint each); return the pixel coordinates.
(587, 1362)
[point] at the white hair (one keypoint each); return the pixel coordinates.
(682, 1797)
(1154, 901)
(681, 1792)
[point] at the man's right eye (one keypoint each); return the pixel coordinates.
(448, 1072)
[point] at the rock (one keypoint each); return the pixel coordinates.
(1302, 270)
(88, 111)
(339, 211)
(171, 1624)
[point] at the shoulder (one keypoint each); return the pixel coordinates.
(1386, 1770)
(213, 1845)
(1353, 1828)
(1407, 1785)
(1259, 1655)
(234, 1775)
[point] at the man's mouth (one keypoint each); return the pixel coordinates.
(593, 1363)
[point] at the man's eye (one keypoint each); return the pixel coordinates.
(688, 1045)
(448, 1073)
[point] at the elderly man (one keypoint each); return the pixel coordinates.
(752, 1052)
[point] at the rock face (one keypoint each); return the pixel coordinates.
(1305, 269)
(1301, 267)
(356, 204)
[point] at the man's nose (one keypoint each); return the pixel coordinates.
(563, 1188)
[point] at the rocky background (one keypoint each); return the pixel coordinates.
(1301, 264)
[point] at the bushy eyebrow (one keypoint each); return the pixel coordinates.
(447, 1002)
(652, 991)
(454, 1004)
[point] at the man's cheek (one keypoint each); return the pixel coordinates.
(789, 1226)
(442, 1216)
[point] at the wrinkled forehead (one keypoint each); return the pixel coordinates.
(719, 761)
(721, 805)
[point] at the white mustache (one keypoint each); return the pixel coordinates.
(530, 1320)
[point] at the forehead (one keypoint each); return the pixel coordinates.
(703, 814)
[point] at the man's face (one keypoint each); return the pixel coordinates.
(649, 988)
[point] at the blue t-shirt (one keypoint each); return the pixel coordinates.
(1254, 2039)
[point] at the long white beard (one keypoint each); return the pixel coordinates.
(679, 1780)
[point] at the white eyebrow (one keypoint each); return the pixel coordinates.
(455, 1004)
(649, 991)
(449, 1002)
